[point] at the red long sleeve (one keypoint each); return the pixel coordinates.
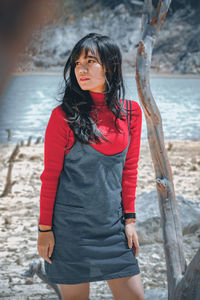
(58, 135)
(129, 177)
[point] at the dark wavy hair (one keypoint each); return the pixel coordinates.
(77, 103)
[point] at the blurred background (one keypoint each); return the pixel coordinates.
(36, 38)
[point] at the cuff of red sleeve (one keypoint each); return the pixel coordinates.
(45, 219)
(128, 211)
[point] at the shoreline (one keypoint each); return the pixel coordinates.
(153, 74)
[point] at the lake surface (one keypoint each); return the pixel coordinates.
(27, 103)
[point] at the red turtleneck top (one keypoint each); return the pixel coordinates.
(59, 137)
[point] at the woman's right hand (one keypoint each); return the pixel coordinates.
(46, 244)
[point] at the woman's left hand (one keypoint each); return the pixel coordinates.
(132, 236)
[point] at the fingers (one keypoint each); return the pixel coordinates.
(136, 246)
(45, 246)
(130, 242)
(132, 239)
(43, 252)
(50, 249)
(133, 242)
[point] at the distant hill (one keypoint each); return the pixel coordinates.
(177, 49)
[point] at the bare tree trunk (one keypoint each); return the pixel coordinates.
(152, 21)
(189, 287)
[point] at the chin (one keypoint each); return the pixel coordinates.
(84, 88)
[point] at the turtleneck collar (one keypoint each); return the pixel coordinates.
(98, 98)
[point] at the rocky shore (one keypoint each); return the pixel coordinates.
(176, 51)
(20, 213)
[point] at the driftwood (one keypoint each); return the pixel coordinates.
(183, 281)
(38, 140)
(29, 141)
(37, 268)
(9, 182)
(9, 134)
(189, 286)
(21, 143)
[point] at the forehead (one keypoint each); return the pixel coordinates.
(85, 53)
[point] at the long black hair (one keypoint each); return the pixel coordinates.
(77, 103)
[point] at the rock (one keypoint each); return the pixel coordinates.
(35, 157)
(193, 168)
(190, 63)
(193, 160)
(148, 223)
(177, 4)
(21, 155)
(156, 294)
(28, 282)
(176, 51)
(7, 221)
(170, 145)
(194, 43)
(120, 9)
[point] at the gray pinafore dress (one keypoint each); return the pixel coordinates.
(88, 225)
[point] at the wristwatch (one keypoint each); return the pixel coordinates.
(129, 216)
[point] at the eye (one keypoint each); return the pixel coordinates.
(90, 61)
(77, 63)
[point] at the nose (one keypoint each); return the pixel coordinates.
(82, 69)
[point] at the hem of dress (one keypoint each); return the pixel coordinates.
(86, 280)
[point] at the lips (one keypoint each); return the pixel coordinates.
(84, 79)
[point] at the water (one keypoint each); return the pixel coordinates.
(26, 105)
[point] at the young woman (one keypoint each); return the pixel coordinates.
(87, 201)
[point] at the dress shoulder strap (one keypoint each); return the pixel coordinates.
(128, 106)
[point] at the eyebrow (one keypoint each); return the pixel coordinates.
(91, 56)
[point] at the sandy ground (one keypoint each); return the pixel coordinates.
(20, 212)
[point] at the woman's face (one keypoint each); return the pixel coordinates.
(89, 73)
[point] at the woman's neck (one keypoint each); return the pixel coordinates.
(98, 98)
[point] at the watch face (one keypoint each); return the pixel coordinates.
(130, 215)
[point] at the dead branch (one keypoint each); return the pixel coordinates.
(29, 141)
(9, 183)
(38, 140)
(36, 268)
(152, 21)
(189, 286)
